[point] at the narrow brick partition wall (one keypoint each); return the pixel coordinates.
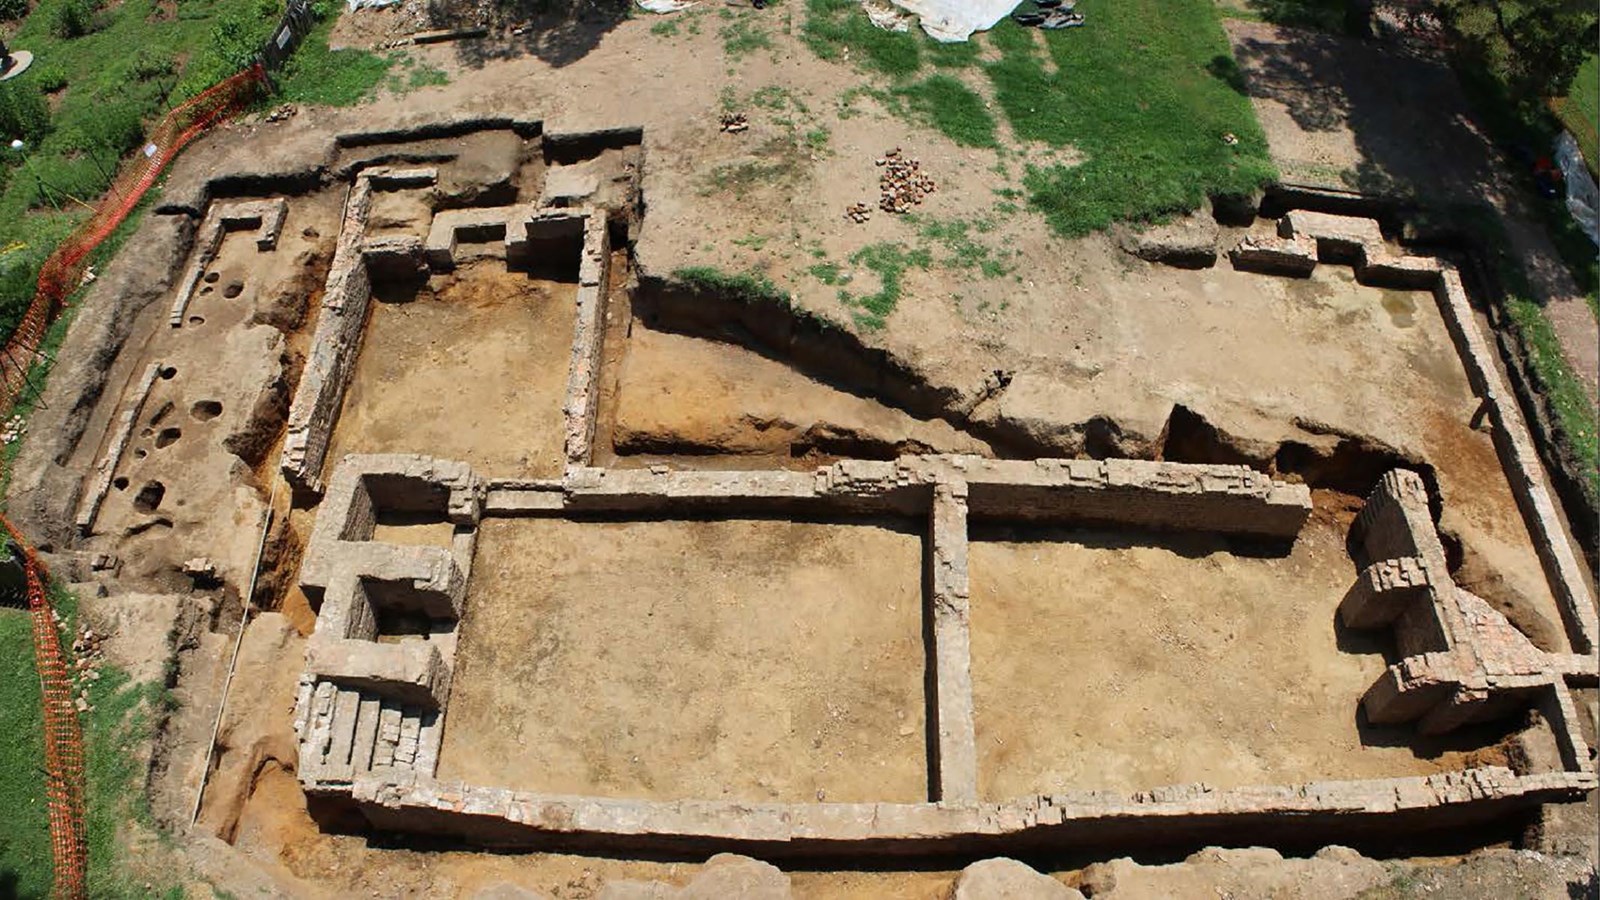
(346, 301)
(956, 757)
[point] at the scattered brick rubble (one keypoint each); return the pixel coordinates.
(85, 665)
(858, 213)
(901, 184)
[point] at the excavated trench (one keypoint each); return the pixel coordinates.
(1326, 458)
(1343, 465)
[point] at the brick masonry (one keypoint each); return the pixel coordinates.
(392, 783)
(1359, 243)
(1463, 662)
(370, 714)
(265, 217)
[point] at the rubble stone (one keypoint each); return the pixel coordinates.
(1006, 879)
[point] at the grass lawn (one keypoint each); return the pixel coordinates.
(1580, 111)
(1143, 91)
(119, 720)
(1146, 92)
(25, 828)
(99, 76)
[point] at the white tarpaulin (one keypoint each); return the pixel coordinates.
(953, 21)
(1583, 197)
(665, 6)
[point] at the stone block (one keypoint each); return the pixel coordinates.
(395, 258)
(1295, 257)
(410, 672)
(1006, 879)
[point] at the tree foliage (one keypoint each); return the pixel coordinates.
(1534, 46)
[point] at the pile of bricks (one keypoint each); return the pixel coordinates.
(901, 184)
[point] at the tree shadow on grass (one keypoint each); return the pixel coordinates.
(559, 32)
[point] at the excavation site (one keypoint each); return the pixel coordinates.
(485, 530)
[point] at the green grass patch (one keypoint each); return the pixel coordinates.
(838, 30)
(746, 287)
(829, 273)
(25, 869)
(952, 56)
(962, 250)
(319, 75)
(86, 102)
(948, 105)
(1580, 111)
(420, 75)
(1567, 397)
(889, 261)
(1140, 96)
(121, 717)
(743, 36)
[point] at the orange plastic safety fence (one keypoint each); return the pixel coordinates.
(63, 737)
(60, 275)
(63, 271)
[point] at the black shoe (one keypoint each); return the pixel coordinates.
(1028, 19)
(1060, 19)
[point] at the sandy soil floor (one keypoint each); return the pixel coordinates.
(1256, 353)
(740, 402)
(618, 659)
(783, 691)
(1128, 661)
(475, 372)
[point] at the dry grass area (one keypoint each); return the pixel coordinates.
(747, 659)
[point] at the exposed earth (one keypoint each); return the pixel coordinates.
(778, 656)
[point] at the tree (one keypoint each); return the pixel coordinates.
(1534, 46)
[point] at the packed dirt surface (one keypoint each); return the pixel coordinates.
(1125, 661)
(1349, 114)
(743, 659)
(758, 659)
(189, 481)
(473, 371)
(739, 402)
